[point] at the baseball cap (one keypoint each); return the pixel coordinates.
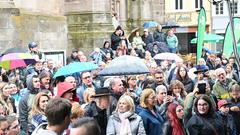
(222, 103)
(32, 45)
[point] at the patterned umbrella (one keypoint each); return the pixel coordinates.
(15, 60)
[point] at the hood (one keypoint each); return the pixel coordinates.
(30, 87)
(63, 87)
(41, 130)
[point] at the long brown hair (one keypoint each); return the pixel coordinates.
(35, 106)
(5, 101)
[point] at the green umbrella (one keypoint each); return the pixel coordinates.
(209, 38)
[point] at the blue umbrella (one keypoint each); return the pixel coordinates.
(75, 67)
(150, 24)
(125, 65)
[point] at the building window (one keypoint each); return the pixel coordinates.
(178, 4)
(234, 7)
(198, 3)
(219, 8)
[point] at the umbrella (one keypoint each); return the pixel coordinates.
(170, 25)
(209, 38)
(15, 50)
(150, 24)
(166, 56)
(15, 60)
(75, 67)
(125, 65)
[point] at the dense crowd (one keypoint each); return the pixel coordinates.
(175, 98)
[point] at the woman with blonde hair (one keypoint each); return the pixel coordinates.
(5, 99)
(88, 96)
(152, 120)
(37, 114)
(123, 120)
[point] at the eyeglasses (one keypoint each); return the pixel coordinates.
(179, 110)
(87, 77)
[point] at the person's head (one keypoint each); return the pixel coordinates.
(159, 77)
(177, 88)
(161, 92)
(45, 78)
(83, 58)
(137, 33)
(40, 103)
(145, 32)
(228, 68)
(35, 82)
(231, 60)
(14, 126)
(202, 61)
(65, 90)
(179, 62)
(80, 54)
(221, 74)
(106, 44)
(58, 113)
(132, 81)
(5, 89)
(76, 112)
(74, 52)
(50, 63)
(72, 80)
(116, 85)
(175, 111)
(38, 65)
(148, 98)
(14, 88)
(159, 27)
(182, 73)
(203, 105)
(88, 95)
(235, 91)
(87, 78)
(85, 126)
(170, 32)
(147, 55)
(4, 126)
(33, 46)
(125, 103)
(223, 106)
(218, 61)
(102, 97)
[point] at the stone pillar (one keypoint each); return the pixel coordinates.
(89, 23)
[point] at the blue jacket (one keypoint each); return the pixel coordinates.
(152, 124)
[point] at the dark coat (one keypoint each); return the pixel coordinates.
(204, 125)
(92, 110)
(152, 124)
(236, 115)
(115, 40)
(167, 128)
(229, 127)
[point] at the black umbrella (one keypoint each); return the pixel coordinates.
(15, 50)
(125, 65)
(169, 25)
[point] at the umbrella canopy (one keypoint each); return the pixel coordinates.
(170, 25)
(15, 60)
(15, 50)
(209, 38)
(125, 65)
(166, 56)
(150, 24)
(75, 67)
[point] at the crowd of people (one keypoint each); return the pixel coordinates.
(174, 98)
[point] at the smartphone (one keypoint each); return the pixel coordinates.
(169, 92)
(201, 88)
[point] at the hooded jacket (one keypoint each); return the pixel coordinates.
(25, 105)
(41, 130)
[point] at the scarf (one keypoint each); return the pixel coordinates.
(125, 128)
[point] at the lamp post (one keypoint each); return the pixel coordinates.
(215, 2)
